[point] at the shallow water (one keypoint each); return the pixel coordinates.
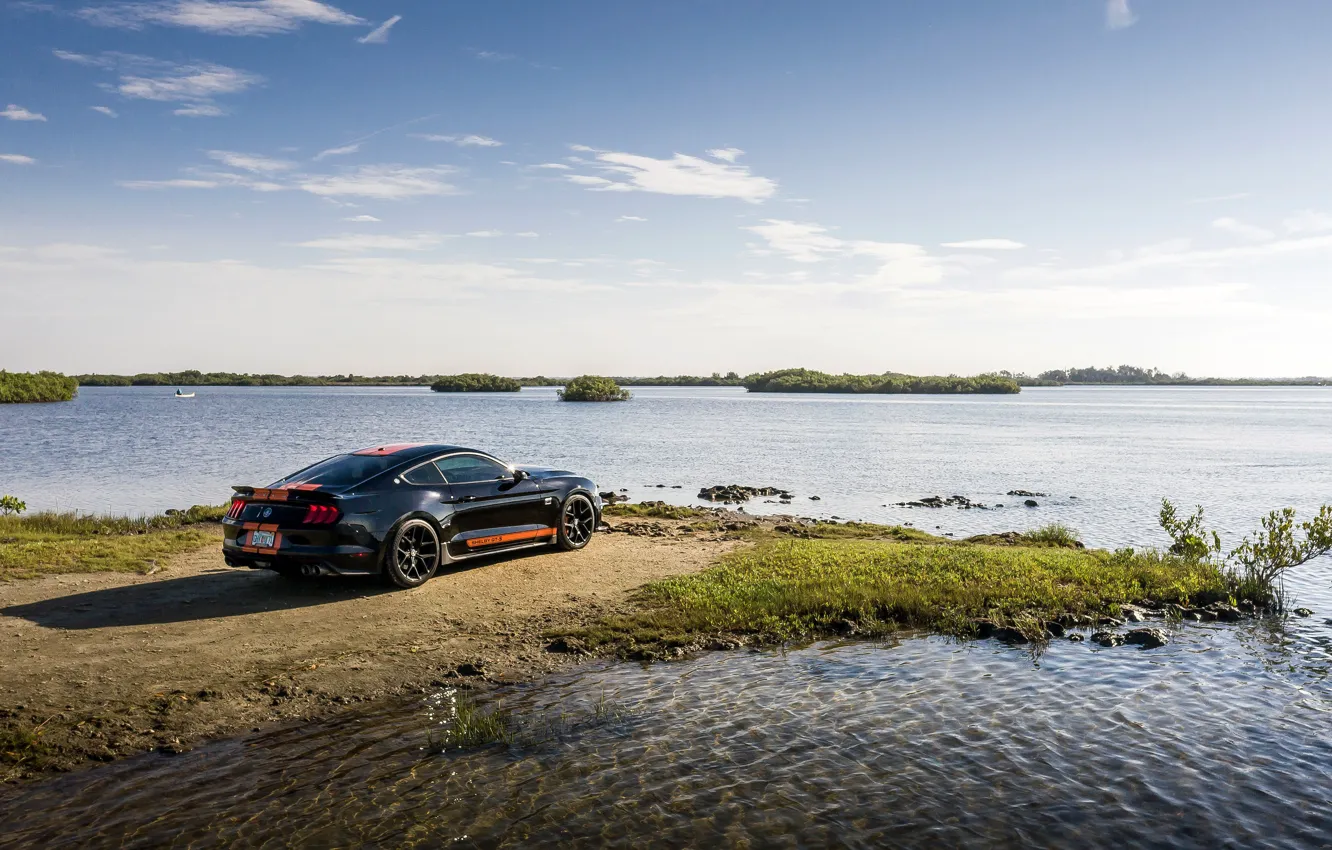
(1219, 739)
(1106, 455)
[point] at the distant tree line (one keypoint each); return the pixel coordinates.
(474, 382)
(1137, 376)
(27, 387)
(194, 378)
(809, 381)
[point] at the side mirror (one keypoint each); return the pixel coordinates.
(520, 474)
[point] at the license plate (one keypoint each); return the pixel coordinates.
(261, 539)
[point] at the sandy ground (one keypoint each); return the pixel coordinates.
(108, 665)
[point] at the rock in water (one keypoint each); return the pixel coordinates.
(1108, 638)
(1147, 638)
(1076, 637)
(1032, 503)
(1304, 612)
(1023, 493)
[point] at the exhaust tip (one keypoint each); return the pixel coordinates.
(309, 570)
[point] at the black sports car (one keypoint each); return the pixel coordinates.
(403, 511)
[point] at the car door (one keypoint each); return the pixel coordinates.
(491, 508)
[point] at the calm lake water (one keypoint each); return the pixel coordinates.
(1105, 455)
(1221, 739)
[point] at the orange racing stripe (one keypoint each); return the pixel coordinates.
(511, 537)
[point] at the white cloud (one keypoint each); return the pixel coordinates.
(1237, 196)
(728, 154)
(361, 218)
(16, 159)
(986, 245)
(900, 264)
(222, 17)
(386, 182)
(679, 175)
(1247, 232)
(558, 166)
(631, 218)
(14, 112)
(527, 234)
(381, 33)
(357, 242)
(804, 243)
(1164, 256)
(342, 151)
(1118, 15)
(461, 141)
(250, 162)
(168, 184)
(105, 110)
(486, 234)
(1308, 221)
(195, 86)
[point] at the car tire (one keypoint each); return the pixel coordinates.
(412, 553)
(578, 520)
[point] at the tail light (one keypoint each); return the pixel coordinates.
(321, 515)
(237, 506)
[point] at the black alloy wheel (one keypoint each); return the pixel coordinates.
(578, 519)
(413, 555)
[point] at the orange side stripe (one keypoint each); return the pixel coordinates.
(510, 537)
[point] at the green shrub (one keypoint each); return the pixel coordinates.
(12, 505)
(593, 388)
(475, 382)
(810, 381)
(27, 387)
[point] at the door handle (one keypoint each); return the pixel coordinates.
(469, 498)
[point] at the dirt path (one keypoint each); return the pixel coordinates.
(108, 665)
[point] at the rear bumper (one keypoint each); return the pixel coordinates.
(335, 553)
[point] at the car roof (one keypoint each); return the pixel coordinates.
(405, 452)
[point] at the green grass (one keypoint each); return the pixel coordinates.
(1054, 534)
(49, 543)
(785, 589)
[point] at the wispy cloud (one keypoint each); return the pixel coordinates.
(804, 243)
(221, 17)
(1181, 256)
(386, 182)
(491, 55)
(251, 162)
(195, 86)
(1247, 232)
(486, 234)
(342, 151)
(168, 184)
(1118, 15)
(381, 33)
(679, 175)
(105, 110)
(361, 218)
(727, 154)
(461, 141)
(631, 218)
(557, 166)
(1308, 221)
(899, 264)
(16, 159)
(357, 242)
(986, 245)
(1214, 199)
(14, 112)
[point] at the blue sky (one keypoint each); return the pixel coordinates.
(435, 186)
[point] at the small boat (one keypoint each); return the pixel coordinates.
(180, 394)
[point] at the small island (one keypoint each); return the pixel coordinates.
(593, 388)
(29, 387)
(475, 382)
(810, 381)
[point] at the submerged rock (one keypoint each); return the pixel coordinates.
(1108, 638)
(1147, 638)
(1027, 493)
(1077, 637)
(1032, 503)
(1304, 612)
(1054, 629)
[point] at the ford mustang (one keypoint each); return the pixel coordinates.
(404, 511)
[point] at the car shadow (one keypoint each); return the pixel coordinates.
(221, 593)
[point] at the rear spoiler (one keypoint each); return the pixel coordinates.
(293, 493)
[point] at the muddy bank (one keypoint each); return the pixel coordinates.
(102, 666)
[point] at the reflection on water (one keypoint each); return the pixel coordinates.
(1219, 739)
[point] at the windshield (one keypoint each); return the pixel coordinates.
(342, 470)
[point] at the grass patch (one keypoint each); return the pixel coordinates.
(784, 589)
(49, 543)
(656, 510)
(1054, 534)
(22, 747)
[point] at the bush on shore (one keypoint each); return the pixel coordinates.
(810, 381)
(475, 382)
(593, 388)
(27, 387)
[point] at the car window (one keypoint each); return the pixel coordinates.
(341, 470)
(426, 473)
(464, 469)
